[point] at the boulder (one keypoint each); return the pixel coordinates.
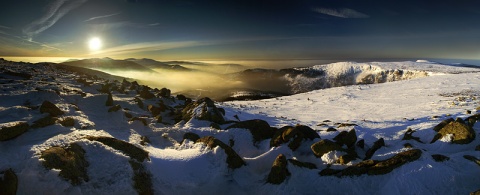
(9, 182)
(203, 109)
(142, 179)
(442, 124)
(164, 92)
(475, 193)
(324, 146)
(154, 110)
(358, 169)
(361, 144)
(139, 102)
(69, 160)
(344, 159)
(215, 126)
(52, 109)
(12, 130)
(259, 129)
(109, 101)
(376, 145)
(462, 133)
(145, 94)
(190, 136)
(279, 171)
(408, 136)
(293, 135)
(141, 119)
(128, 149)
(233, 159)
(346, 138)
(45, 121)
(67, 122)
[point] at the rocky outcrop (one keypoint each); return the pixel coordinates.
(372, 167)
(203, 109)
(12, 130)
(279, 171)
(52, 109)
(293, 135)
(259, 129)
(145, 94)
(69, 160)
(164, 92)
(8, 183)
(233, 159)
(128, 149)
(462, 133)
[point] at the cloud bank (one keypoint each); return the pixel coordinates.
(341, 13)
(55, 12)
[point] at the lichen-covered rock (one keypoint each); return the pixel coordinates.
(293, 135)
(128, 149)
(115, 108)
(45, 121)
(324, 146)
(302, 164)
(279, 171)
(443, 124)
(9, 182)
(67, 122)
(462, 133)
(203, 109)
(12, 129)
(233, 159)
(346, 138)
(358, 169)
(259, 129)
(109, 101)
(387, 166)
(52, 109)
(344, 159)
(70, 161)
(376, 145)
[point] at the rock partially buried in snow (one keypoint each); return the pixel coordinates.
(70, 160)
(190, 136)
(12, 129)
(324, 146)
(203, 109)
(52, 109)
(302, 164)
(128, 149)
(44, 122)
(9, 182)
(233, 159)
(346, 138)
(259, 129)
(279, 171)
(462, 133)
(376, 145)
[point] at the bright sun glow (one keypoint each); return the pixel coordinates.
(95, 44)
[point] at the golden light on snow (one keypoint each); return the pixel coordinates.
(95, 44)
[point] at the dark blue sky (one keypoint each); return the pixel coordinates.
(241, 30)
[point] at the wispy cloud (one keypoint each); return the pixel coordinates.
(5, 27)
(55, 12)
(341, 13)
(100, 17)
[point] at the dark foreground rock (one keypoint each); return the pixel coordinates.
(376, 145)
(128, 149)
(69, 160)
(324, 146)
(233, 159)
(8, 183)
(346, 138)
(142, 179)
(12, 130)
(279, 171)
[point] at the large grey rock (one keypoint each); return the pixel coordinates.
(203, 109)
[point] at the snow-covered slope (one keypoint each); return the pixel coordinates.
(352, 73)
(139, 146)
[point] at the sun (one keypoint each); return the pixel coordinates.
(94, 43)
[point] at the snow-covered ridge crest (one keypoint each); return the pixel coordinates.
(353, 73)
